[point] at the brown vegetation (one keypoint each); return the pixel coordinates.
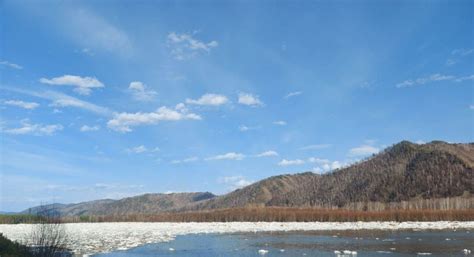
(283, 214)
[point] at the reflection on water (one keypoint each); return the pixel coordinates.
(365, 243)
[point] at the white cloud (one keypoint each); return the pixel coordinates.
(318, 160)
(11, 65)
(328, 166)
(297, 93)
(22, 104)
(87, 51)
(123, 122)
(34, 129)
(280, 122)
(209, 99)
(461, 79)
(250, 100)
(268, 153)
(235, 182)
(83, 85)
(424, 80)
(315, 147)
(140, 91)
(189, 159)
(471, 106)
(62, 100)
(137, 149)
(286, 162)
(363, 150)
(228, 156)
(185, 46)
(86, 128)
(457, 55)
(245, 128)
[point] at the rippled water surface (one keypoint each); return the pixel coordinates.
(365, 243)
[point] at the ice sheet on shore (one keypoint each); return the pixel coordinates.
(90, 238)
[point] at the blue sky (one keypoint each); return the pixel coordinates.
(103, 99)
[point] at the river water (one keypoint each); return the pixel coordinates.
(364, 243)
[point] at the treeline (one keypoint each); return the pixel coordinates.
(20, 218)
(283, 214)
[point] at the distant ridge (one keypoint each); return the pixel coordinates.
(424, 174)
(142, 204)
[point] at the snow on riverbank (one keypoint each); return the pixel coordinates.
(89, 238)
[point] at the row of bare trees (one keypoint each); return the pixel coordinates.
(283, 214)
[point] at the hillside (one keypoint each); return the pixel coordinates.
(147, 203)
(405, 174)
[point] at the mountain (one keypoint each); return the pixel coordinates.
(403, 172)
(433, 175)
(142, 204)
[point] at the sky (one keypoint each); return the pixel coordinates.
(108, 99)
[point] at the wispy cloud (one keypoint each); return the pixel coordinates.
(86, 128)
(62, 100)
(235, 182)
(245, 128)
(34, 129)
(363, 150)
(227, 156)
(140, 91)
(424, 80)
(462, 51)
(286, 162)
(471, 106)
(141, 149)
(82, 85)
(123, 122)
(432, 78)
(92, 31)
(186, 160)
(457, 55)
(209, 99)
(22, 104)
(268, 153)
(292, 94)
(87, 51)
(137, 149)
(250, 100)
(280, 123)
(461, 79)
(185, 46)
(315, 147)
(11, 65)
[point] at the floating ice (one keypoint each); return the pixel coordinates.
(91, 238)
(262, 251)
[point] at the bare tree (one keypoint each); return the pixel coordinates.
(48, 236)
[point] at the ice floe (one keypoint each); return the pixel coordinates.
(90, 238)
